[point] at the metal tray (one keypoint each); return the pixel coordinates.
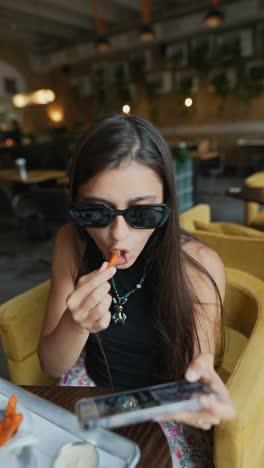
(61, 426)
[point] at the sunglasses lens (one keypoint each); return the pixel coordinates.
(92, 216)
(147, 217)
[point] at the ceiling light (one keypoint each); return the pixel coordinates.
(188, 102)
(215, 17)
(103, 44)
(56, 115)
(126, 109)
(20, 100)
(42, 96)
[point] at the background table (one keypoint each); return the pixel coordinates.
(249, 194)
(155, 452)
(33, 176)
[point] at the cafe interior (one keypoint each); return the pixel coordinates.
(195, 69)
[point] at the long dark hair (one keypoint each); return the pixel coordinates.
(131, 138)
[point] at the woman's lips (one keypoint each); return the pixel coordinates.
(124, 257)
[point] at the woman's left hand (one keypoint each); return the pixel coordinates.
(213, 411)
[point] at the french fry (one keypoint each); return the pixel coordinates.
(11, 421)
(11, 406)
(114, 258)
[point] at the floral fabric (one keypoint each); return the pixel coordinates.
(190, 447)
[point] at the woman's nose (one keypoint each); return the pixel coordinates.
(119, 228)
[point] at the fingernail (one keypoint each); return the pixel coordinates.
(103, 266)
(191, 375)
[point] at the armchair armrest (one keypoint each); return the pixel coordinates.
(21, 320)
(240, 443)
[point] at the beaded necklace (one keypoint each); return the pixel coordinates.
(119, 301)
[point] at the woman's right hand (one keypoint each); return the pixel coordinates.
(90, 301)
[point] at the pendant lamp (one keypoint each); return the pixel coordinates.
(215, 17)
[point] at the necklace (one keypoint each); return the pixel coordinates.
(119, 301)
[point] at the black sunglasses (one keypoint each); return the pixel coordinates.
(137, 216)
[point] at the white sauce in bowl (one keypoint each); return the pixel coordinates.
(77, 455)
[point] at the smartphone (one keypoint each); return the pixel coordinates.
(140, 405)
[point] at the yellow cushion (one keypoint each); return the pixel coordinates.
(235, 343)
(228, 228)
(21, 320)
(28, 372)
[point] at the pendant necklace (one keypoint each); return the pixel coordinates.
(119, 301)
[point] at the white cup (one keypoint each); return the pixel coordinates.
(21, 164)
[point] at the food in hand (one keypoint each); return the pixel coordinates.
(114, 258)
(9, 425)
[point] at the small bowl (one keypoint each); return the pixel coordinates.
(91, 457)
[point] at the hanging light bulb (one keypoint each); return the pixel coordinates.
(215, 17)
(146, 33)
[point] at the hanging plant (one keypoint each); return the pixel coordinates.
(121, 85)
(253, 83)
(176, 59)
(186, 86)
(229, 52)
(137, 70)
(99, 92)
(153, 87)
(221, 84)
(199, 56)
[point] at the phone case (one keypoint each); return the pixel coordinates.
(128, 413)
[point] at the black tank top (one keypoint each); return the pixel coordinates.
(132, 350)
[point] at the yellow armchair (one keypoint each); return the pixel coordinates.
(237, 251)
(240, 443)
(20, 324)
(254, 216)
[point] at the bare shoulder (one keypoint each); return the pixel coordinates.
(63, 250)
(209, 260)
(63, 274)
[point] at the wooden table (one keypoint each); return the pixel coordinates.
(249, 194)
(155, 452)
(33, 176)
(204, 156)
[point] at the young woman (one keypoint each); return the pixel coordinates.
(168, 286)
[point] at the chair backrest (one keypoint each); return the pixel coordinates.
(236, 251)
(252, 209)
(20, 325)
(239, 443)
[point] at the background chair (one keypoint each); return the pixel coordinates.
(20, 325)
(244, 249)
(254, 216)
(240, 443)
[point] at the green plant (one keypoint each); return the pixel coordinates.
(153, 87)
(221, 84)
(181, 154)
(121, 85)
(99, 92)
(137, 69)
(185, 85)
(199, 56)
(254, 82)
(229, 52)
(175, 60)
